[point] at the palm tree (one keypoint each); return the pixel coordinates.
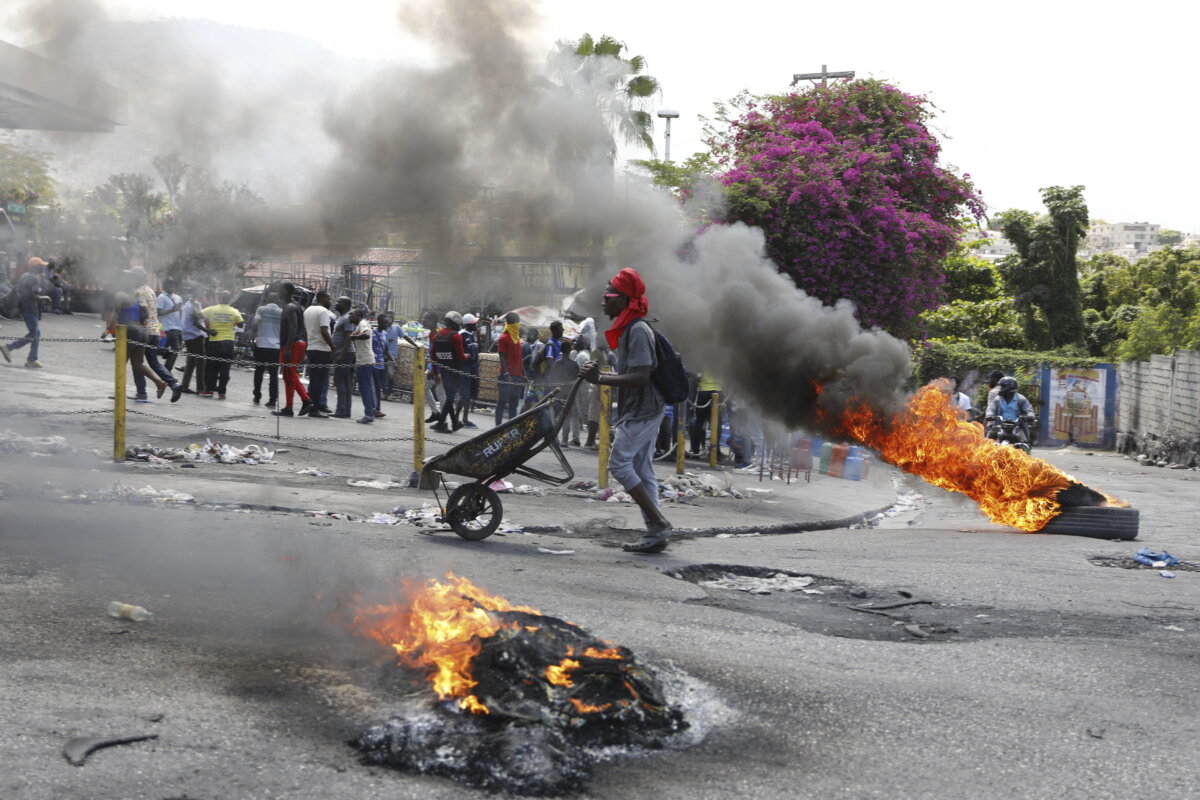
(619, 85)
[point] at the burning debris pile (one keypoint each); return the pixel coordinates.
(527, 701)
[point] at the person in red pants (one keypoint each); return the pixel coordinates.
(292, 344)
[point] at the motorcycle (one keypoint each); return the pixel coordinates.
(1010, 433)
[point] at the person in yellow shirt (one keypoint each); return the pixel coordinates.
(221, 319)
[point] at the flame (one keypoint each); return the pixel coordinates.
(557, 673)
(438, 627)
(930, 439)
(584, 708)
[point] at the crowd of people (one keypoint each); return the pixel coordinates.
(184, 339)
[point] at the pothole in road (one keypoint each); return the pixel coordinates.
(835, 607)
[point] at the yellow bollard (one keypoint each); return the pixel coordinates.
(119, 397)
(680, 419)
(418, 396)
(714, 429)
(602, 435)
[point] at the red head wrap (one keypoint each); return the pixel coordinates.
(630, 284)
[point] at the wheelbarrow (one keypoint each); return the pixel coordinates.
(473, 510)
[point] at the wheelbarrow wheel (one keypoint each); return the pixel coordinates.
(473, 511)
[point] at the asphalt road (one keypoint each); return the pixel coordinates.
(1042, 671)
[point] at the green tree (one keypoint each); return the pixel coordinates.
(1043, 276)
(1169, 237)
(1156, 331)
(621, 88)
(25, 176)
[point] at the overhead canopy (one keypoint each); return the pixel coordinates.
(39, 94)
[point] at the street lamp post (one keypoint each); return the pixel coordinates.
(668, 114)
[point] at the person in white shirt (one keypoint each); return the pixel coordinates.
(318, 321)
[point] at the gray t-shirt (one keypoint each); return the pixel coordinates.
(341, 329)
(636, 349)
(269, 317)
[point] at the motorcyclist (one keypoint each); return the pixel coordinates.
(1009, 405)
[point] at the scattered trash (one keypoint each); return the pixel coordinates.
(555, 552)
(759, 491)
(316, 473)
(1173, 628)
(500, 486)
(127, 611)
(737, 535)
(779, 582)
(331, 515)
(78, 749)
(208, 453)
(917, 630)
(1152, 559)
(525, 488)
(14, 443)
(1166, 574)
(381, 518)
(144, 494)
(370, 483)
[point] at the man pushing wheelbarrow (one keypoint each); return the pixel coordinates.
(474, 510)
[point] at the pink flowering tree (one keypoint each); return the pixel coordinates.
(844, 181)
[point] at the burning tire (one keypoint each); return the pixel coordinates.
(1097, 522)
(473, 511)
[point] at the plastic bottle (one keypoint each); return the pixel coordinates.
(127, 611)
(826, 454)
(837, 460)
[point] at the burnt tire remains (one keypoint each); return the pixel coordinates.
(1097, 522)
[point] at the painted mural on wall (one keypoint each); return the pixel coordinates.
(1077, 405)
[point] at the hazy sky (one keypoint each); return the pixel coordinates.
(1031, 94)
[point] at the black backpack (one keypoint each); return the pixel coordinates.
(669, 377)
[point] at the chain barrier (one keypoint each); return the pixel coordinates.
(232, 432)
(32, 413)
(244, 362)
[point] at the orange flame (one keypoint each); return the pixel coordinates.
(584, 708)
(438, 627)
(930, 439)
(557, 673)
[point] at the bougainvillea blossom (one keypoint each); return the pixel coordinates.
(844, 181)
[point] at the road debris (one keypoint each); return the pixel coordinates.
(1150, 558)
(208, 453)
(78, 749)
(548, 551)
(13, 443)
(779, 582)
(316, 473)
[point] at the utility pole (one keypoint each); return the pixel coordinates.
(823, 76)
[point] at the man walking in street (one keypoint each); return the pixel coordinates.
(29, 296)
(318, 323)
(639, 404)
(222, 318)
(264, 330)
(148, 299)
(512, 368)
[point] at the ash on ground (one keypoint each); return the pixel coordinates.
(542, 737)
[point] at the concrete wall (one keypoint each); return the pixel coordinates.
(1159, 402)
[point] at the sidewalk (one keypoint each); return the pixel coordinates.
(78, 377)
